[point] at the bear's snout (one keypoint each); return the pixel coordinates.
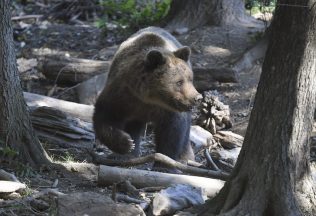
(195, 97)
(198, 98)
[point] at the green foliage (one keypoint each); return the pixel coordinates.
(257, 6)
(68, 157)
(133, 14)
(27, 191)
(8, 152)
(257, 36)
(65, 158)
(25, 171)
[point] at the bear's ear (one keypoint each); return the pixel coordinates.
(154, 58)
(183, 53)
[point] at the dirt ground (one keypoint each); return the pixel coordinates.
(212, 47)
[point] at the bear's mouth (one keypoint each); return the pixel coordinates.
(178, 106)
(171, 104)
(183, 107)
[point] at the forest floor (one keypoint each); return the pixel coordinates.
(212, 47)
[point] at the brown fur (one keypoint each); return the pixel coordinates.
(150, 79)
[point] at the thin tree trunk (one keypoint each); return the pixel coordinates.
(16, 131)
(272, 175)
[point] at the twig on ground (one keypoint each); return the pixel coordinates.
(47, 191)
(128, 199)
(195, 164)
(15, 18)
(54, 185)
(113, 195)
(209, 160)
(227, 165)
(125, 198)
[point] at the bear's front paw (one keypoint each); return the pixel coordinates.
(124, 143)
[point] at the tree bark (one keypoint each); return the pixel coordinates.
(273, 175)
(16, 130)
(191, 14)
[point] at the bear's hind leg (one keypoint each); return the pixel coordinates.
(172, 132)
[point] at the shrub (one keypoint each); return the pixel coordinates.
(132, 14)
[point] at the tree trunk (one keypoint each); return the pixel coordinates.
(191, 14)
(273, 175)
(16, 131)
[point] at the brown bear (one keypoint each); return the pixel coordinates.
(150, 80)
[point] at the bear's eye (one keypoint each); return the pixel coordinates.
(180, 83)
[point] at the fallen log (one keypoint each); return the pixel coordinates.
(89, 90)
(228, 139)
(71, 70)
(75, 70)
(250, 56)
(81, 111)
(140, 178)
(10, 186)
(56, 127)
(163, 159)
(204, 78)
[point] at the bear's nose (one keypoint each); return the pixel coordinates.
(198, 98)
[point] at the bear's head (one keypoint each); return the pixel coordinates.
(169, 80)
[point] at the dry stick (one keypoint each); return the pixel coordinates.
(128, 199)
(210, 160)
(117, 197)
(226, 164)
(113, 195)
(125, 198)
(15, 18)
(158, 157)
(54, 185)
(48, 191)
(195, 164)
